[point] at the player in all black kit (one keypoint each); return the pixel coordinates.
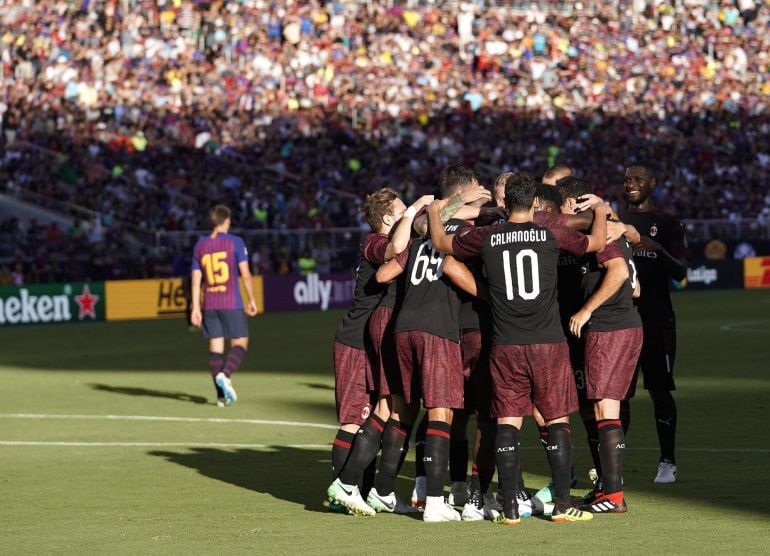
(660, 255)
(529, 359)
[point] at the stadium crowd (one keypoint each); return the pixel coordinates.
(147, 111)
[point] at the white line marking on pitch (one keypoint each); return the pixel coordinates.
(171, 419)
(156, 444)
(746, 326)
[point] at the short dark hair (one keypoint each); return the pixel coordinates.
(549, 194)
(557, 172)
(648, 169)
(520, 190)
(453, 178)
(573, 188)
(218, 214)
(377, 205)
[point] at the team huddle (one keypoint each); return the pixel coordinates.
(531, 300)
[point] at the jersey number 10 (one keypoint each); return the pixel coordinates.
(521, 274)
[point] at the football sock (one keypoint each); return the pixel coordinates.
(436, 456)
(364, 450)
(216, 362)
(234, 360)
(560, 459)
(484, 453)
(611, 446)
(341, 450)
(395, 443)
(544, 438)
(507, 458)
(625, 416)
(367, 481)
(665, 422)
(593, 443)
(458, 454)
(419, 447)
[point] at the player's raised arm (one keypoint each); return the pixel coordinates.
(441, 240)
(597, 239)
(400, 239)
(248, 283)
(616, 275)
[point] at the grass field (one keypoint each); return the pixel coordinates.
(80, 473)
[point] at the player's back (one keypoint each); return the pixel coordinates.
(217, 256)
(521, 265)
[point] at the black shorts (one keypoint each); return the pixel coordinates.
(657, 358)
(225, 323)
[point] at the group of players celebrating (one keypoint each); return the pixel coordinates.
(503, 304)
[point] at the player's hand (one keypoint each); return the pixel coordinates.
(477, 193)
(423, 201)
(251, 308)
(436, 206)
(586, 202)
(578, 320)
(196, 318)
(601, 208)
(615, 230)
(647, 244)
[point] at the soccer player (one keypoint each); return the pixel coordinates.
(427, 334)
(355, 388)
(218, 259)
(612, 330)
(661, 254)
(529, 358)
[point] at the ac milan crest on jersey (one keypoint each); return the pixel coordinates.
(653, 230)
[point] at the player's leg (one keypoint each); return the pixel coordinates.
(555, 395)
(216, 364)
(420, 486)
(365, 446)
(395, 445)
(458, 459)
(236, 327)
(657, 364)
(353, 406)
(442, 382)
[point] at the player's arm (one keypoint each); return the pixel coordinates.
(441, 240)
(463, 278)
(597, 239)
(389, 271)
(459, 207)
(675, 267)
(195, 286)
(400, 239)
(616, 275)
(248, 283)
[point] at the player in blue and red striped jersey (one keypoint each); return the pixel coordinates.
(218, 259)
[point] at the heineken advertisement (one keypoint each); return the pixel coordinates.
(43, 303)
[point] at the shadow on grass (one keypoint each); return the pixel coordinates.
(317, 386)
(134, 391)
(267, 471)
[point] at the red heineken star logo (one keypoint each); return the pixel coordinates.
(87, 303)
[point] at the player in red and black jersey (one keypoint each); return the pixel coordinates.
(427, 337)
(355, 385)
(660, 255)
(612, 330)
(529, 359)
(218, 259)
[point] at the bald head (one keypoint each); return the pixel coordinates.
(553, 175)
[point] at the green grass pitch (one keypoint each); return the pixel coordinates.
(192, 478)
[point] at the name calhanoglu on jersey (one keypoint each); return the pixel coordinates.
(521, 236)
